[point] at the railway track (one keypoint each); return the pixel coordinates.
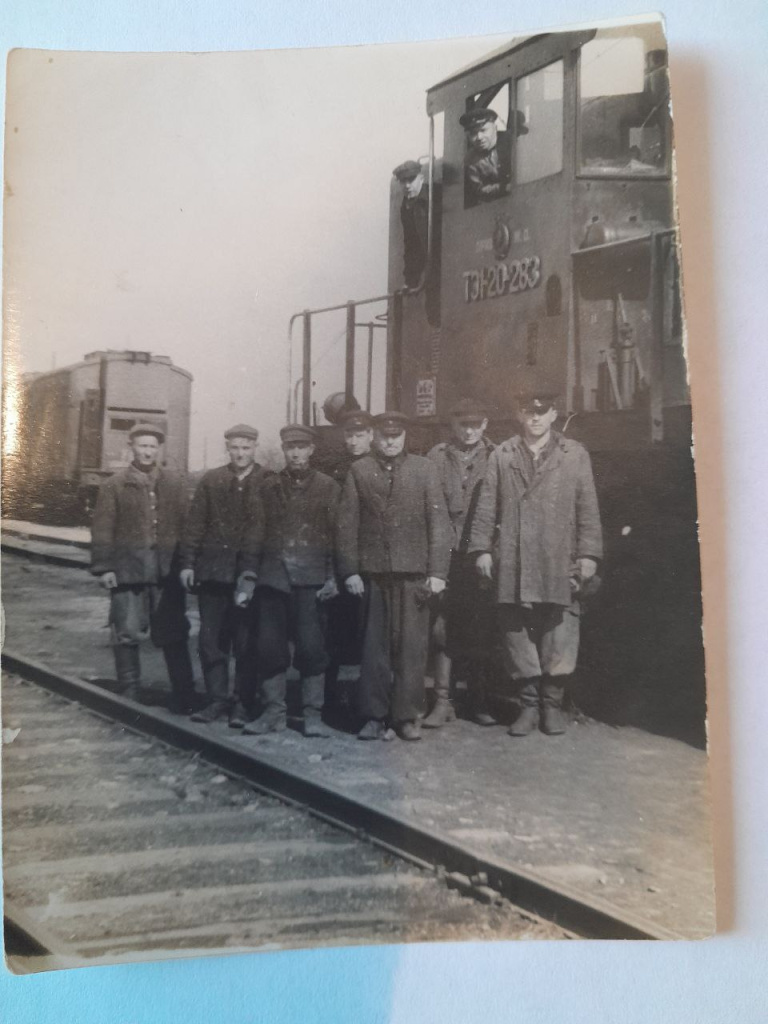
(117, 846)
(153, 806)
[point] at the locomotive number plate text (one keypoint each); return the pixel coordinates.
(502, 279)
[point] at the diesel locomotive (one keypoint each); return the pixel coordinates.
(566, 281)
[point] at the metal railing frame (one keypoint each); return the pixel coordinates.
(394, 317)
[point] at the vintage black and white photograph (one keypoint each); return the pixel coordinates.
(350, 561)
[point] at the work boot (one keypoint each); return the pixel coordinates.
(244, 697)
(238, 716)
(179, 666)
(335, 691)
(528, 719)
(216, 688)
(409, 731)
(127, 670)
(479, 711)
(442, 711)
(312, 693)
(372, 730)
(211, 712)
(273, 718)
(553, 721)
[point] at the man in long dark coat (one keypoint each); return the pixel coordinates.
(393, 550)
(463, 624)
(217, 564)
(295, 578)
(136, 528)
(539, 493)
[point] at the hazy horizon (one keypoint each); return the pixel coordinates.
(189, 204)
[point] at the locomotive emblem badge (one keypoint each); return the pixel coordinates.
(502, 238)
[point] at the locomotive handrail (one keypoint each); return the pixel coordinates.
(616, 243)
(306, 314)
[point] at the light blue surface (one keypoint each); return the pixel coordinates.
(720, 49)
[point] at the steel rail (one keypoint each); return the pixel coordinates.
(562, 905)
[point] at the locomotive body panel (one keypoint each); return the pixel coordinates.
(568, 280)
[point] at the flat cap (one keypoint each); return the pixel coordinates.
(538, 401)
(478, 115)
(298, 432)
(147, 430)
(242, 430)
(355, 419)
(391, 422)
(468, 409)
(407, 171)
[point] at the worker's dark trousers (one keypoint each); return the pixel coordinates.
(395, 647)
(296, 615)
(156, 610)
(224, 630)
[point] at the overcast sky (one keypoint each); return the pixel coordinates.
(189, 204)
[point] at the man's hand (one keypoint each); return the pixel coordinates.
(484, 566)
(587, 568)
(328, 591)
(187, 579)
(244, 589)
(355, 585)
(435, 585)
(108, 580)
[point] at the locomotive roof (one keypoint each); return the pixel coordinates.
(515, 43)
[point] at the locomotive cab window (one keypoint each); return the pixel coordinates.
(539, 124)
(487, 161)
(624, 103)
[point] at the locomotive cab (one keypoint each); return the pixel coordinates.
(554, 248)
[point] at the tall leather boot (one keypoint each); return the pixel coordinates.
(528, 719)
(273, 718)
(312, 694)
(553, 721)
(216, 678)
(127, 670)
(442, 710)
(242, 710)
(479, 711)
(179, 666)
(333, 689)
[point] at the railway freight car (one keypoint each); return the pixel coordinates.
(74, 424)
(563, 279)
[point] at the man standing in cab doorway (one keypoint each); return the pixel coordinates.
(539, 493)
(296, 577)
(135, 533)
(414, 217)
(217, 564)
(463, 625)
(393, 551)
(421, 264)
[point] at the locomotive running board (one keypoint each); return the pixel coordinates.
(573, 911)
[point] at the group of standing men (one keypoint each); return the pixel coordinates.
(472, 546)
